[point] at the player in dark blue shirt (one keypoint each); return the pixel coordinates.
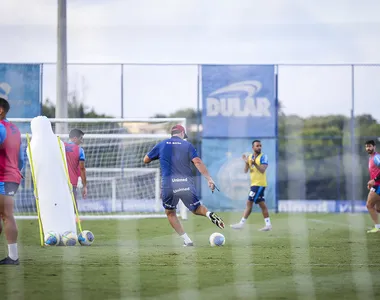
(176, 155)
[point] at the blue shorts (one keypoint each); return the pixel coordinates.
(376, 189)
(256, 194)
(8, 188)
(171, 196)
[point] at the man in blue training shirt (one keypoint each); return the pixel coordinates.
(175, 155)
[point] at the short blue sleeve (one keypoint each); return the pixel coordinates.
(264, 159)
(82, 157)
(3, 133)
(21, 159)
(154, 153)
(192, 152)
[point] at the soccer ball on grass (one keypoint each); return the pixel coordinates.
(52, 239)
(217, 239)
(69, 238)
(86, 238)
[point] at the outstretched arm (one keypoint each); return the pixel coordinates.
(203, 170)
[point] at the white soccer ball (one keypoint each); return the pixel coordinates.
(217, 239)
(69, 238)
(52, 238)
(86, 238)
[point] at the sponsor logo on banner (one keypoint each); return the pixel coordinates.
(238, 101)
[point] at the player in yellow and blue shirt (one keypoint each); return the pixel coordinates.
(256, 163)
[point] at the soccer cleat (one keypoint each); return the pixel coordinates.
(373, 230)
(188, 244)
(266, 228)
(9, 261)
(216, 220)
(237, 226)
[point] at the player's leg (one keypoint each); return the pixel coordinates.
(170, 204)
(373, 200)
(260, 200)
(192, 202)
(248, 208)
(10, 226)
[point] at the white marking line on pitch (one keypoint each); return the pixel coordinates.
(299, 240)
(187, 260)
(72, 278)
(14, 278)
(359, 258)
(329, 222)
(243, 257)
(128, 257)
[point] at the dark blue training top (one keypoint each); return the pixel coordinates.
(175, 155)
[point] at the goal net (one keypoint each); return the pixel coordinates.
(119, 184)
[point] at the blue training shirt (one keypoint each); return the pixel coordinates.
(175, 155)
(3, 136)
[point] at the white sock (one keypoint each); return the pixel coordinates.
(377, 226)
(242, 221)
(267, 222)
(208, 214)
(13, 251)
(186, 238)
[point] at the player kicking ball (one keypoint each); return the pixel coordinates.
(175, 156)
(257, 164)
(373, 199)
(11, 163)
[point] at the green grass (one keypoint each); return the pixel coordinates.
(304, 257)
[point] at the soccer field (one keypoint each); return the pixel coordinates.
(305, 257)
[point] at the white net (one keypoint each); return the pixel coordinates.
(119, 183)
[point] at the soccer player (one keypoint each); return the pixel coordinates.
(175, 156)
(11, 164)
(257, 164)
(76, 161)
(373, 199)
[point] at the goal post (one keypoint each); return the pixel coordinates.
(119, 184)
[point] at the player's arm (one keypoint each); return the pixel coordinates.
(198, 163)
(3, 133)
(263, 164)
(152, 155)
(82, 169)
(21, 159)
(246, 166)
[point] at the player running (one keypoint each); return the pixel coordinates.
(175, 156)
(373, 199)
(257, 164)
(11, 164)
(76, 162)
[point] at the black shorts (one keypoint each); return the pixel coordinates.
(8, 188)
(256, 194)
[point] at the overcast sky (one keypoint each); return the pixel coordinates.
(196, 31)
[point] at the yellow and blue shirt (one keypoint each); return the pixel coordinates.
(258, 178)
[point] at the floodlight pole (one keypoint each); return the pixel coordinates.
(61, 110)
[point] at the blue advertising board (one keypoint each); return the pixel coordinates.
(238, 101)
(20, 84)
(223, 158)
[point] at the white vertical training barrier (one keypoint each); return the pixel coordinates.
(55, 202)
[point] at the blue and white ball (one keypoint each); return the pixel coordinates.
(52, 238)
(86, 238)
(69, 238)
(217, 239)
(376, 160)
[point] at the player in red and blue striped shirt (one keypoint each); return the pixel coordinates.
(11, 163)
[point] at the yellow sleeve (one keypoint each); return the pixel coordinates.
(250, 160)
